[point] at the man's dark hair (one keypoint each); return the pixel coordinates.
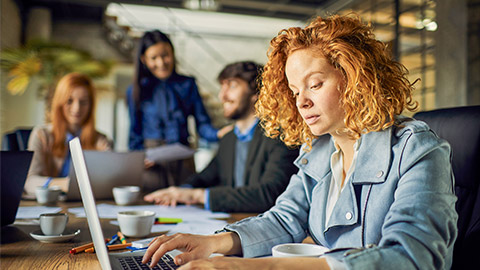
(246, 70)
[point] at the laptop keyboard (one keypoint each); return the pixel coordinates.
(135, 262)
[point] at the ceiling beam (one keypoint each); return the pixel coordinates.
(284, 6)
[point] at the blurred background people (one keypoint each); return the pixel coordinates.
(160, 101)
(72, 114)
(249, 170)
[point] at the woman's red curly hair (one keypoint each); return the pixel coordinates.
(376, 87)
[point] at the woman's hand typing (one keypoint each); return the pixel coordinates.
(193, 246)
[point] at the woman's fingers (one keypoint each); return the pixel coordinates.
(153, 247)
(193, 247)
(187, 257)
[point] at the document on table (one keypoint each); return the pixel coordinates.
(201, 226)
(24, 212)
(205, 226)
(169, 152)
(185, 212)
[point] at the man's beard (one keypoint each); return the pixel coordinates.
(242, 110)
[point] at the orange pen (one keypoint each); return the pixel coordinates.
(81, 248)
(111, 247)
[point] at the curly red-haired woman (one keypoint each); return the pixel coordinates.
(374, 187)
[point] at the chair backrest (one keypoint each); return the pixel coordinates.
(9, 142)
(22, 138)
(16, 140)
(460, 126)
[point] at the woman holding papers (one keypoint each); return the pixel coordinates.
(372, 184)
(72, 114)
(160, 101)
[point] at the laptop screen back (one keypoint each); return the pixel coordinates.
(108, 170)
(14, 167)
(88, 200)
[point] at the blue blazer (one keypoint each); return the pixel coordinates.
(398, 207)
(163, 111)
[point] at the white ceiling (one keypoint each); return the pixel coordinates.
(141, 18)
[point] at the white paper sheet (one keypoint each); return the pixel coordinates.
(203, 226)
(169, 152)
(35, 211)
(185, 212)
(155, 227)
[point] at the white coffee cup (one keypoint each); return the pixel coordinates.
(298, 250)
(125, 195)
(47, 195)
(136, 223)
(53, 223)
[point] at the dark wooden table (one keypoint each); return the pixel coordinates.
(18, 250)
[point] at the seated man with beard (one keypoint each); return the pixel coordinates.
(250, 170)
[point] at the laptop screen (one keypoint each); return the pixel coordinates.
(14, 167)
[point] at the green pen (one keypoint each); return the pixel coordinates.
(165, 220)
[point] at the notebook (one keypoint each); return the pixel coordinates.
(14, 167)
(125, 260)
(108, 170)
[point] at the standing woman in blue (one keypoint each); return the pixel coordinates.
(160, 101)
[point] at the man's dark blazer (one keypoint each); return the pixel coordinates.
(268, 169)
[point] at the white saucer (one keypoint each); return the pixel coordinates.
(67, 235)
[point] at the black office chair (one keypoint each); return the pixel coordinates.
(16, 140)
(461, 128)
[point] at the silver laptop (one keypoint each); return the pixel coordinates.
(108, 170)
(125, 260)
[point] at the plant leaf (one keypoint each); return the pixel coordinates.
(18, 84)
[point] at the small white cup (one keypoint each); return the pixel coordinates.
(136, 223)
(125, 195)
(298, 250)
(47, 195)
(53, 223)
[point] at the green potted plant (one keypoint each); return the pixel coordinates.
(46, 62)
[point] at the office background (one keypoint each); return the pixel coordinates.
(438, 41)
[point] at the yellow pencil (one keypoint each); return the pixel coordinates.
(110, 247)
(121, 237)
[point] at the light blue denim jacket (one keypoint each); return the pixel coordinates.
(400, 198)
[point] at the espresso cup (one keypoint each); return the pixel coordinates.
(125, 195)
(53, 223)
(298, 250)
(47, 195)
(136, 223)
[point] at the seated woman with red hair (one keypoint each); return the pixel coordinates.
(73, 114)
(372, 185)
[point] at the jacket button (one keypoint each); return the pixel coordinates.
(379, 174)
(304, 161)
(348, 215)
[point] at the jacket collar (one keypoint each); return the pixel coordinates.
(373, 159)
